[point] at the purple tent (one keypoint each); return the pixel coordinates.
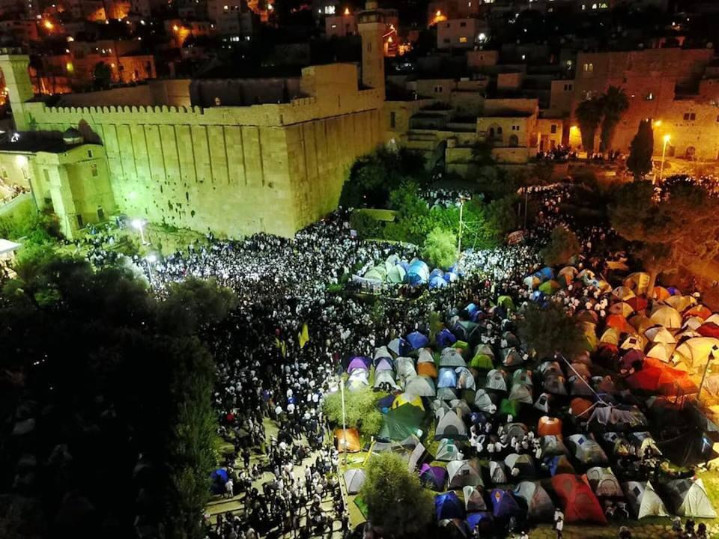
(448, 505)
(417, 340)
(358, 362)
(504, 505)
(383, 365)
(445, 338)
(481, 518)
(433, 477)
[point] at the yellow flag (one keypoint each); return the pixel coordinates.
(304, 335)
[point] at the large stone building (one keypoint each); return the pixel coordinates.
(272, 166)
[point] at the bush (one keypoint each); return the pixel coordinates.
(366, 225)
(563, 246)
(549, 330)
(361, 410)
(440, 248)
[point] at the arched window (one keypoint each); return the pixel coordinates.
(513, 141)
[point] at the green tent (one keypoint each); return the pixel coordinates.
(549, 287)
(462, 345)
(401, 422)
(396, 274)
(506, 302)
(374, 275)
(481, 361)
(509, 407)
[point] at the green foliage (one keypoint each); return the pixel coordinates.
(614, 104)
(440, 248)
(563, 246)
(374, 176)
(589, 114)
(129, 374)
(665, 228)
(366, 225)
(550, 330)
(361, 410)
(396, 502)
(641, 149)
(501, 217)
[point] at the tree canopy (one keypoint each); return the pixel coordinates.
(589, 115)
(440, 248)
(110, 372)
(548, 330)
(665, 222)
(641, 149)
(614, 104)
(562, 247)
(360, 410)
(396, 502)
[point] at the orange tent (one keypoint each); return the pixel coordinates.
(698, 310)
(347, 440)
(660, 293)
(579, 406)
(617, 321)
(549, 426)
(427, 369)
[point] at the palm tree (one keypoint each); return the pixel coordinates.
(614, 104)
(589, 114)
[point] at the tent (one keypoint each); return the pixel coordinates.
(399, 347)
(409, 400)
(695, 351)
(404, 366)
(384, 364)
(666, 316)
(504, 505)
(437, 281)
(542, 403)
(483, 401)
(447, 450)
(474, 498)
(539, 505)
(515, 430)
(396, 274)
(549, 426)
(511, 357)
(623, 293)
(358, 362)
(384, 377)
(447, 378)
(578, 501)
(509, 407)
(445, 338)
(497, 472)
(427, 369)
(659, 334)
(505, 302)
(462, 473)
(604, 483)
(560, 465)
(381, 352)
(618, 417)
(497, 380)
(552, 446)
(554, 384)
(587, 451)
(402, 421)
(354, 479)
(520, 466)
(466, 331)
(643, 500)
(433, 477)
(687, 498)
(417, 272)
(450, 426)
(451, 357)
(465, 379)
(482, 521)
(359, 379)
(347, 440)
(417, 340)
(549, 287)
(448, 505)
(422, 386)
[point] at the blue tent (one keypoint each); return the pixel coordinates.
(447, 378)
(437, 282)
(471, 309)
(385, 403)
(436, 272)
(220, 474)
(504, 505)
(448, 505)
(418, 272)
(545, 274)
(417, 340)
(479, 518)
(537, 296)
(450, 276)
(445, 338)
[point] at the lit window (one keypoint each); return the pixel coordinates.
(463, 39)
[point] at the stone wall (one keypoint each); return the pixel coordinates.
(233, 170)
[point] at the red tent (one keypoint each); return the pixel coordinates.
(656, 377)
(577, 499)
(709, 329)
(637, 303)
(617, 321)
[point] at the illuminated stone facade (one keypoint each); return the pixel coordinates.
(233, 170)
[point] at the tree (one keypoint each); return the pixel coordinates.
(440, 248)
(671, 229)
(589, 114)
(563, 246)
(360, 410)
(102, 75)
(550, 330)
(641, 150)
(396, 502)
(614, 104)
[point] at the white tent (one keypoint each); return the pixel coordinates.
(539, 504)
(450, 426)
(497, 473)
(666, 316)
(473, 499)
(354, 479)
(496, 380)
(604, 482)
(689, 499)
(447, 450)
(695, 352)
(483, 401)
(462, 474)
(644, 500)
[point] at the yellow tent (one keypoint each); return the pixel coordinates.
(406, 398)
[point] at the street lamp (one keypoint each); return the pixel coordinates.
(150, 259)
(344, 419)
(667, 138)
(139, 224)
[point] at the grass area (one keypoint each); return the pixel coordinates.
(379, 214)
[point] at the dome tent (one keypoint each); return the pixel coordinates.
(587, 451)
(474, 498)
(577, 499)
(643, 500)
(447, 450)
(497, 472)
(433, 477)
(604, 483)
(462, 473)
(422, 386)
(539, 505)
(450, 426)
(448, 505)
(687, 498)
(354, 479)
(504, 505)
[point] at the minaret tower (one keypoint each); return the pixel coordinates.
(372, 27)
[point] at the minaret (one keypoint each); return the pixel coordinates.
(372, 27)
(17, 79)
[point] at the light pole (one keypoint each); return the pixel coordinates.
(344, 419)
(151, 259)
(139, 224)
(667, 138)
(461, 226)
(714, 349)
